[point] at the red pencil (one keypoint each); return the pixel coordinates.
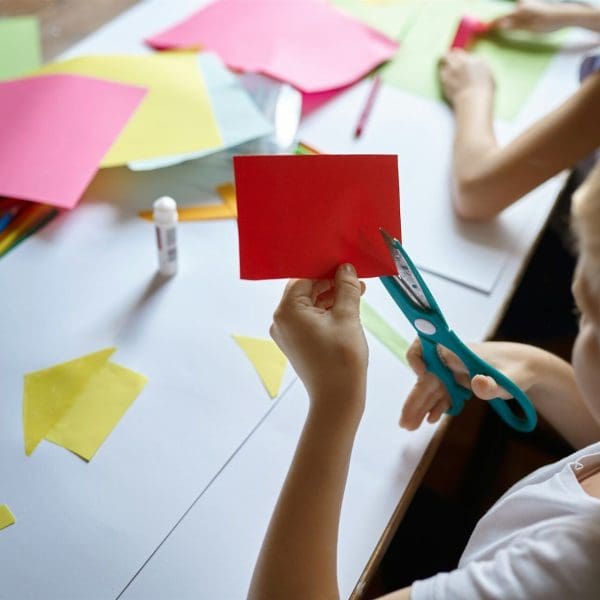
(366, 111)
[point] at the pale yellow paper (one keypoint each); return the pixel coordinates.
(78, 403)
(268, 361)
(175, 116)
(99, 407)
(6, 517)
(48, 394)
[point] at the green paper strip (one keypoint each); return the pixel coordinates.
(19, 46)
(390, 338)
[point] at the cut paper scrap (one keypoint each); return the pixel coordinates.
(267, 359)
(175, 117)
(206, 212)
(6, 517)
(375, 324)
(303, 216)
(51, 147)
(77, 404)
(19, 46)
(517, 60)
(307, 43)
(238, 118)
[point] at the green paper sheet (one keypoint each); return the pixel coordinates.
(517, 59)
(392, 18)
(375, 324)
(19, 46)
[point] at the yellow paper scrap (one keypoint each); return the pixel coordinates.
(176, 115)
(78, 403)
(227, 193)
(6, 517)
(267, 359)
(206, 212)
(48, 394)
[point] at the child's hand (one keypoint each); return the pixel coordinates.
(531, 15)
(462, 73)
(317, 325)
(429, 396)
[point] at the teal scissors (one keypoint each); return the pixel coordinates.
(410, 293)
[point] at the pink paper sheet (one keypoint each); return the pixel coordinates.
(55, 131)
(307, 43)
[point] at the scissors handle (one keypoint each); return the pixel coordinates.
(524, 420)
(458, 394)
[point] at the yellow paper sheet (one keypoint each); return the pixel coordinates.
(175, 116)
(78, 403)
(268, 361)
(206, 212)
(6, 517)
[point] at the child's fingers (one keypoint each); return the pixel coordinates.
(297, 289)
(486, 388)
(426, 393)
(414, 357)
(320, 287)
(438, 410)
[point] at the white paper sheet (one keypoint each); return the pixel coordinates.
(420, 132)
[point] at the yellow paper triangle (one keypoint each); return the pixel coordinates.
(268, 361)
(100, 405)
(6, 517)
(48, 394)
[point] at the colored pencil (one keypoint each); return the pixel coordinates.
(366, 111)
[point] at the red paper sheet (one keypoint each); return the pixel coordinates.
(302, 216)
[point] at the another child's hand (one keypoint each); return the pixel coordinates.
(462, 73)
(531, 15)
(429, 397)
(317, 325)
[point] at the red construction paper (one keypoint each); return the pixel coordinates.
(302, 216)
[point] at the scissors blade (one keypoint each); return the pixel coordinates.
(406, 278)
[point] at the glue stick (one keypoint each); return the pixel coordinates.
(165, 220)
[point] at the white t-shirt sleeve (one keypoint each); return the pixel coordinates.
(557, 561)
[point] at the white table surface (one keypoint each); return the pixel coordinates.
(176, 502)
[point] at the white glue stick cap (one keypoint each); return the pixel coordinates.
(165, 211)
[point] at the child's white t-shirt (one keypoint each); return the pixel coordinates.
(541, 540)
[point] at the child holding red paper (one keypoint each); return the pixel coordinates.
(489, 177)
(542, 538)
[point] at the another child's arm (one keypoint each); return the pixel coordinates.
(542, 17)
(489, 177)
(319, 330)
(548, 380)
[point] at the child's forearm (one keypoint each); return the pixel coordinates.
(578, 15)
(298, 559)
(550, 384)
(474, 140)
